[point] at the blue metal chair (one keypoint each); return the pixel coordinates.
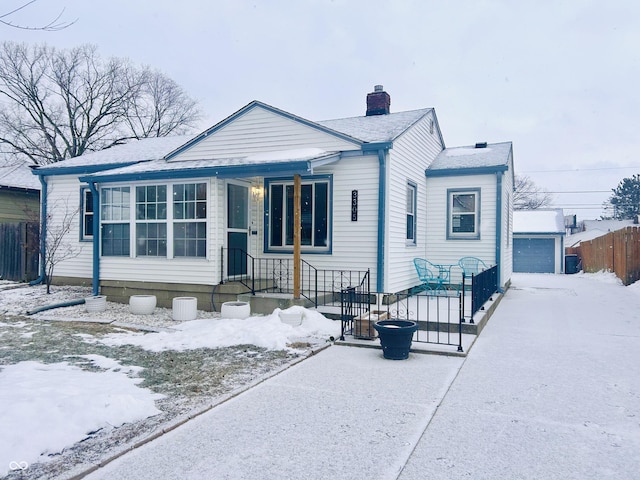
(433, 277)
(471, 265)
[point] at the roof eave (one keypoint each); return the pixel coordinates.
(226, 171)
(452, 172)
(539, 233)
(80, 169)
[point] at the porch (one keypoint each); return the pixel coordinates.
(448, 320)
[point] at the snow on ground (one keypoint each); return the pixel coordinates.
(48, 407)
(549, 391)
(536, 309)
(262, 331)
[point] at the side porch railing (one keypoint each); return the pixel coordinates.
(483, 286)
(439, 316)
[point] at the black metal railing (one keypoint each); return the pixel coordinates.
(483, 286)
(439, 317)
(355, 301)
(275, 275)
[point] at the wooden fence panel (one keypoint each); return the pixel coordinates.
(618, 252)
(19, 251)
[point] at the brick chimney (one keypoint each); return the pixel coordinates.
(378, 102)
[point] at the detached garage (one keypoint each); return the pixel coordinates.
(538, 241)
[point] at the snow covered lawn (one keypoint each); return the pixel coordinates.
(76, 392)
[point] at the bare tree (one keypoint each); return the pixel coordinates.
(62, 103)
(51, 26)
(161, 107)
(528, 196)
(61, 217)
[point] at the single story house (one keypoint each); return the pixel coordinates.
(538, 241)
(375, 192)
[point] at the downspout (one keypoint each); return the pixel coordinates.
(96, 238)
(499, 227)
(562, 269)
(43, 231)
(382, 193)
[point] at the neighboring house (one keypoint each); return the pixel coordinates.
(19, 192)
(376, 192)
(19, 220)
(538, 241)
(591, 229)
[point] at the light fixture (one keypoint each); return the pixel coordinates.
(257, 192)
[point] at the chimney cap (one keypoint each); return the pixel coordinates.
(378, 88)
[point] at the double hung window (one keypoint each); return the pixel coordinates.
(115, 207)
(411, 213)
(190, 220)
(151, 221)
(463, 214)
(86, 213)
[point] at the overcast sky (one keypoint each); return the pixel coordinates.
(560, 79)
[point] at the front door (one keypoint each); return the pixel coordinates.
(237, 229)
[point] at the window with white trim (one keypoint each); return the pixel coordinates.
(412, 190)
(115, 207)
(162, 227)
(315, 215)
(86, 214)
(151, 221)
(190, 220)
(463, 219)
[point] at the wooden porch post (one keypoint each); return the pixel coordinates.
(297, 225)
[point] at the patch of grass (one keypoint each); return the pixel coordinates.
(189, 379)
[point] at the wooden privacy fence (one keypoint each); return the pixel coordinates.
(19, 248)
(618, 252)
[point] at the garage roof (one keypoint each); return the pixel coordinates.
(539, 221)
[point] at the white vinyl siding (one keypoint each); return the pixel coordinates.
(259, 131)
(407, 161)
(506, 247)
(446, 251)
(62, 199)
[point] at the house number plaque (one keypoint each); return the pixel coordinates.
(354, 205)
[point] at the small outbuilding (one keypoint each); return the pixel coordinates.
(538, 241)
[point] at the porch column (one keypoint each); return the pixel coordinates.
(297, 225)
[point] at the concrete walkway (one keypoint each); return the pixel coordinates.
(551, 389)
(345, 413)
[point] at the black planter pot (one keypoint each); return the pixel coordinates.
(396, 337)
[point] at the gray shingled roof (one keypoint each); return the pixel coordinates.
(376, 128)
(494, 155)
(17, 174)
(133, 151)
